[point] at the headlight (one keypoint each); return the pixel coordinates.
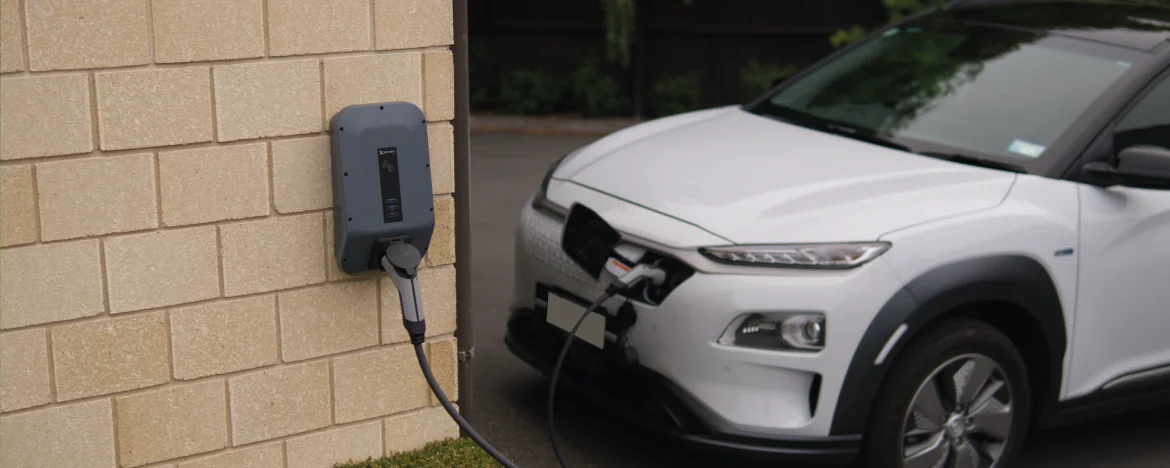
(540, 201)
(792, 331)
(834, 256)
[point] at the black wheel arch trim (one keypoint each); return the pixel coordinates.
(1014, 279)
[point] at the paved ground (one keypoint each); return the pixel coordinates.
(510, 397)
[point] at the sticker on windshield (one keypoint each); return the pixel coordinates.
(1027, 148)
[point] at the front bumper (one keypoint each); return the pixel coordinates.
(647, 399)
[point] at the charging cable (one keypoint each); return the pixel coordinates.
(401, 264)
(623, 284)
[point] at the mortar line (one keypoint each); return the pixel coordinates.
(234, 61)
(219, 261)
(98, 153)
(150, 29)
(52, 368)
(264, 18)
(170, 347)
(321, 80)
(227, 401)
(156, 158)
(106, 312)
(230, 375)
(279, 332)
(117, 433)
(332, 395)
(24, 35)
(214, 109)
(36, 204)
(271, 168)
(95, 134)
(373, 25)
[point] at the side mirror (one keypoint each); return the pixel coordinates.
(1138, 166)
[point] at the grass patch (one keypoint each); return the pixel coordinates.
(449, 453)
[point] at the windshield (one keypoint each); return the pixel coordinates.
(978, 91)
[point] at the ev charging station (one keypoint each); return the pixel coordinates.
(384, 213)
(384, 217)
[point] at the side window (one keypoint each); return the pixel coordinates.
(1148, 123)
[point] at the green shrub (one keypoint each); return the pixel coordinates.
(530, 91)
(449, 453)
(755, 78)
(598, 93)
(678, 94)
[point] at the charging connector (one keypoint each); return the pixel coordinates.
(400, 261)
(625, 284)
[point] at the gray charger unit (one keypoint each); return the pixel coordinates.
(381, 182)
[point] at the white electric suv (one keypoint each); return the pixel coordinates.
(908, 255)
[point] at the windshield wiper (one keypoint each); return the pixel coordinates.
(974, 161)
(836, 128)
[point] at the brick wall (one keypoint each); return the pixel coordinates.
(169, 295)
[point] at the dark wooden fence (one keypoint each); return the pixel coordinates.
(716, 38)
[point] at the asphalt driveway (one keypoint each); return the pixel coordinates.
(509, 397)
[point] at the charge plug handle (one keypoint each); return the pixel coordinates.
(401, 263)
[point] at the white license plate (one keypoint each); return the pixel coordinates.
(564, 314)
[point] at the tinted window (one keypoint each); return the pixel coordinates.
(944, 86)
(1148, 123)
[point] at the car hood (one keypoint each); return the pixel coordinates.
(751, 179)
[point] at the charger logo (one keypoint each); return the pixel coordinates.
(388, 167)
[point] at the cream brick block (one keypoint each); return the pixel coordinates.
(161, 268)
(95, 196)
(260, 456)
(441, 140)
(405, 24)
(323, 450)
(328, 319)
(301, 174)
(214, 184)
(156, 107)
(377, 383)
(406, 432)
(442, 249)
(278, 402)
(437, 286)
(198, 30)
(258, 100)
(172, 422)
(443, 356)
(24, 370)
(335, 26)
(439, 81)
(50, 283)
(18, 206)
(11, 37)
(80, 434)
(44, 116)
(347, 80)
(223, 337)
(271, 254)
(73, 34)
(108, 356)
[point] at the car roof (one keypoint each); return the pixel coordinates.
(1133, 24)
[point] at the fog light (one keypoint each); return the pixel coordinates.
(801, 331)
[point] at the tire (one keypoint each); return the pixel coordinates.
(962, 351)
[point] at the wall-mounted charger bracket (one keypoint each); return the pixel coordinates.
(381, 182)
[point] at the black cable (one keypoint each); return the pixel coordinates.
(556, 374)
(426, 370)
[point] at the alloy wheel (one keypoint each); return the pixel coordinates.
(961, 416)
